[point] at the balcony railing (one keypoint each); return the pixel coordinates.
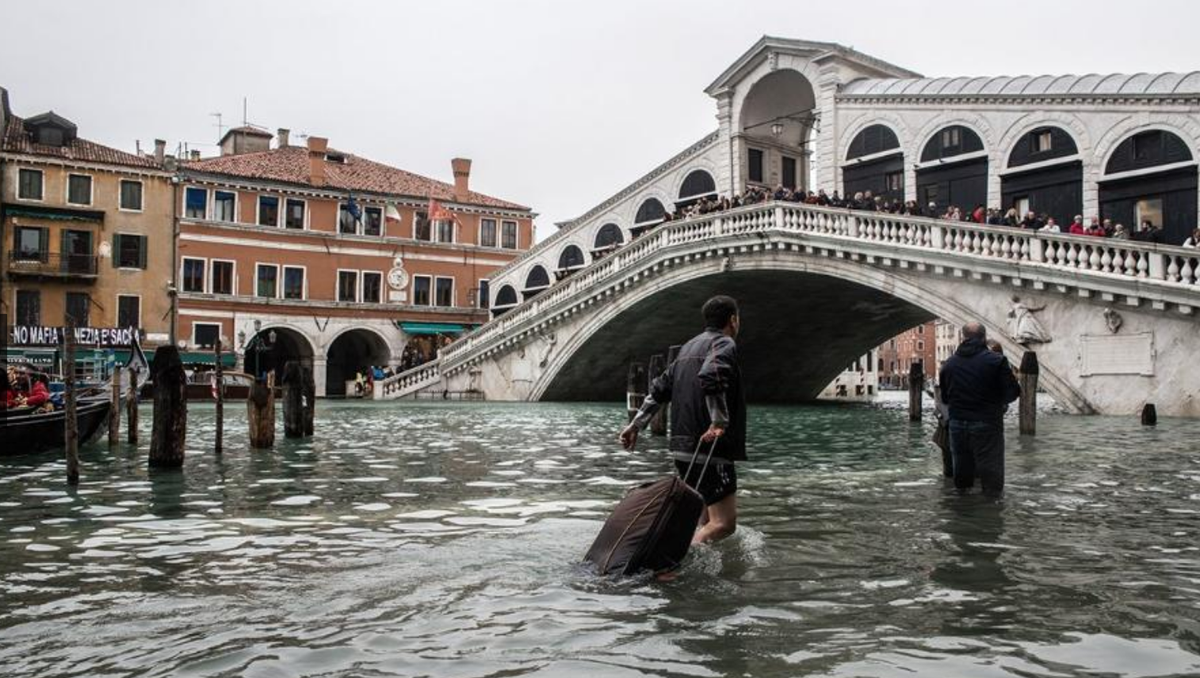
(46, 264)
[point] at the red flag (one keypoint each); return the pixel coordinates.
(438, 212)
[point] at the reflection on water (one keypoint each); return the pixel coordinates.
(422, 540)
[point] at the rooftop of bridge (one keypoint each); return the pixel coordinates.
(1091, 85)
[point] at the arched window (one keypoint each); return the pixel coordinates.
(1041, 144)
(571, 257)
(872, 140)
(651, 210)
(507, 296)
(537, 278)
(1148, 149)
(610, 235)
(951, 141)
(696, 184)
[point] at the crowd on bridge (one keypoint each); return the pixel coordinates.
(1147, 230)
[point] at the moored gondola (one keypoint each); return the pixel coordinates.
(30, 430)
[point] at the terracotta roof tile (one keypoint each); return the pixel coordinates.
(17, 140)
(290, 165)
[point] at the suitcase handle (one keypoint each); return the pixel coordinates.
(703, 469)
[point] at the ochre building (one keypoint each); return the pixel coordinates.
(87, 233)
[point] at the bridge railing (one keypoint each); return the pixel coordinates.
(406, 382)
(1171, 266)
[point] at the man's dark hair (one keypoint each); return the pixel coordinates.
(718, 310)
(974, 330)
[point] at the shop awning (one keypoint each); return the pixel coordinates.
(433, 328)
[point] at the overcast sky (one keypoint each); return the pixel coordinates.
(559, 104)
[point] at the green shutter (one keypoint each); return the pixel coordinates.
(116, 250)
(142, 251)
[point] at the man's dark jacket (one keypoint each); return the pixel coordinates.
(706, 366)
(977, 384)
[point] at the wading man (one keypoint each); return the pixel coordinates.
(704, 387)
(977, 385)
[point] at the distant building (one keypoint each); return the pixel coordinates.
(858, 383)
(86, 234)
(916, 345)
(947, 340)
(314, 254)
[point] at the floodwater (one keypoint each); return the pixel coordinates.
(442, 540)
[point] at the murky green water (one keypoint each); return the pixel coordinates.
(440, 540)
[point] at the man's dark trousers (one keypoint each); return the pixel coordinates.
(978, 449)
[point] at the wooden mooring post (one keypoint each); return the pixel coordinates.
(114, 409)
(260, 413)
(1149, 415)
(658, 365)
(168, 432)
(131, 410)
(1027, 376)
(293, 400)
(70, 407)
(916, 389)
(219, 398)
(310, 401)
(635, 389)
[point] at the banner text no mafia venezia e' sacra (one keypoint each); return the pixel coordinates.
(101, 337)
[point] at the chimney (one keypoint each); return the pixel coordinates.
(316, 160)
(194, 154)
(281, 137)
(462, 178)
(160, 150)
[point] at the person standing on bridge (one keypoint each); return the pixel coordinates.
(977, 385)
(704, 385)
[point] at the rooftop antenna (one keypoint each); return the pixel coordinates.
(220, 127)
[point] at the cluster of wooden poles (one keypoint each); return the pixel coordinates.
(168, 434)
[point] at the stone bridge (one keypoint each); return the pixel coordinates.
(820, 286)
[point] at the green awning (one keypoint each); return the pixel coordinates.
(433, 328)
(201, 358)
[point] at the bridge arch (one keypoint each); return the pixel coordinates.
(775, 121)
(874, 161)
(697, 183)
(607, 236)
(1151, 175)
(536, 280)
(1044, 173)
(777, 295)
(570, 259)
(953, 169)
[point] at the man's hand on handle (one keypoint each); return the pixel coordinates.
(628, 437)
(712, 434)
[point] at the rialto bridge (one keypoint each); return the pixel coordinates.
(820, 287)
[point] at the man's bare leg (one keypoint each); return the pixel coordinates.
(721, 521)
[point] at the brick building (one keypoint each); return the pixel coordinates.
(310, 253)
(86, 234)
(918, 344)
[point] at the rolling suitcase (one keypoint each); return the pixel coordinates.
(652, 527)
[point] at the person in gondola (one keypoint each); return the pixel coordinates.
(10, 392)
(38, 394)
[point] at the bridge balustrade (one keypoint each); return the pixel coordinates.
(1116, 259)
